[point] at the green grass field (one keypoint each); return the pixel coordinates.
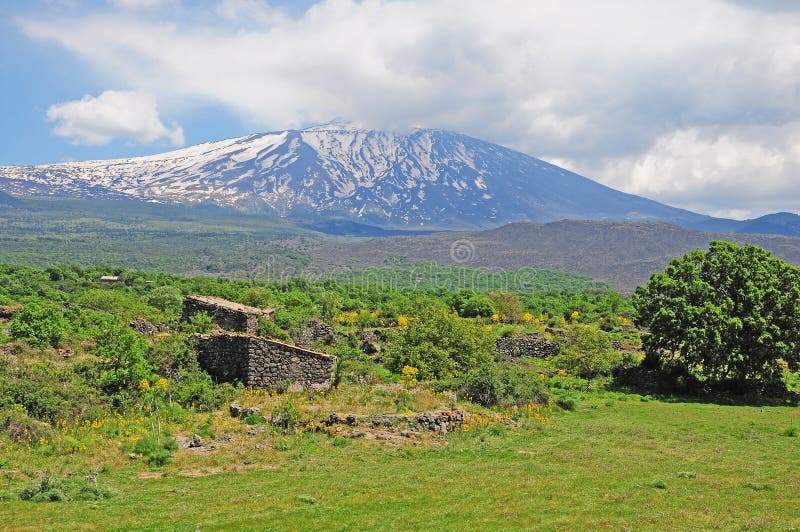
(616, 462)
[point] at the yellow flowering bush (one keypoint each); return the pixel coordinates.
(408, 377)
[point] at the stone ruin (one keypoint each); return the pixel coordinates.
(371, 340)
(226, 314)
(7, 311)
(526, 345)
(263, 363)
(142, 326)
(236, 354)
(316, 331)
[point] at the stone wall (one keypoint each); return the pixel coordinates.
(526, 345)
(316, 331)
(226, 314)
(263, 363)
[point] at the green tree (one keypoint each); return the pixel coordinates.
(477, 306)
(330, 304)
(165, 298)
(122, 353)
(587, 353)
(507, 305)
(727, 314)
(440, 344)
(40, 325)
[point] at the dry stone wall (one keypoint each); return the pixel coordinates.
(263, 363)
(526, 345)
(316, 331)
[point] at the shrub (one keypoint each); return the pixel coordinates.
(53, 488)
(156, 451)
(566, 403)
(171, 353)
(165, 298)
(482, 385)
(196, 388)
(522, 386)
(121, 352)
(505, 385)
(21, 428)
(477, 306)
(199, 323)
(587, 353)
(507, 305)
(48, 391)
(255, 419)
(124, 305)
(288, 415)
(440, 344)
(362, 372)
(40, 325)
(270, 329)
(258, 296)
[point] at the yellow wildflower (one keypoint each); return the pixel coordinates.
(162, 384)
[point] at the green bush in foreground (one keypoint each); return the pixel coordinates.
(491, 385)
(54, 488)
(157, 451)
(122, 353)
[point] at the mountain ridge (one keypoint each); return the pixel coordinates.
(623, 254)
(422, 178)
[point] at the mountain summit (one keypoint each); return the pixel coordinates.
(424, 177)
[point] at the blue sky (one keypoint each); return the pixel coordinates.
(693, 103)
(37, 74)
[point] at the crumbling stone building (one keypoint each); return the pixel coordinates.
(236, 354)
(226, 314)
(263, 363)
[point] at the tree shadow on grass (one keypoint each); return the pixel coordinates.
(671, 389)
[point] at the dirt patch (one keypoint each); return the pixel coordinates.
(149, 475)
(216, 470)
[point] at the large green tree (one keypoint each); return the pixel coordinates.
(727, 314)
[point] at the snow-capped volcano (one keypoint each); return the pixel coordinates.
(422, 177)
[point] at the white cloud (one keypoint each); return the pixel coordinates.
(129, 115)
(739, 173)
(583, 81)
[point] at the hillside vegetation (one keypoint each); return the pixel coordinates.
(106, 418)
(622, 254)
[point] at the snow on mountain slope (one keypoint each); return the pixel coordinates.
(424, 177)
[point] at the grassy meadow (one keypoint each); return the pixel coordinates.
(616, 461)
